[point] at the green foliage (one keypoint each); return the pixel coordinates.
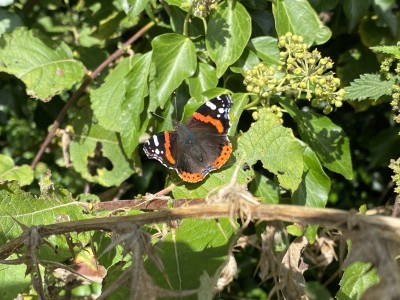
(357, 278)
(283, 62)
(45, 67)
(8, 171)
(369, 86)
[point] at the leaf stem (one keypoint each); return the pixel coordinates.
(88, 79)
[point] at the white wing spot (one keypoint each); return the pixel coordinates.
(211, 105)
(155, 139)
(221, 110)
(157, 151)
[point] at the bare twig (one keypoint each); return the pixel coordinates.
(75, 96)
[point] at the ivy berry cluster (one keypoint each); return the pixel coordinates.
(300, 71)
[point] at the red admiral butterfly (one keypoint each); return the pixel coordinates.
(199, 146)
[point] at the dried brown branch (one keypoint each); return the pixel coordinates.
(388, 227)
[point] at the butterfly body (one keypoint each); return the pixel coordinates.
(197, 147)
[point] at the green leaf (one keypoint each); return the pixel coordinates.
(294, 230)
(315, 185)
(316, 290)
(119, 102)
(13, 280)
(54, 205)
(392, 50)
(45, 67)
(298, 17)
(136, 7)
(266, 190)
(369, 86)
(8, 171)
(201, 243)
(276, 147)
(174, 57)
(325, 138)
(355, 10)
(357, 278)
(228, 32)
(96, 152)
(266, 48)
(204, 79)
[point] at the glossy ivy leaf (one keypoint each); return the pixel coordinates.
(96, 152)
(266, 48)
(369, 86)
(325, 138)
(201, 243)
(315, 185)
(357, 278)
(9, 171)
(298, 17)
(13, 279)
(45, 67)
(175, 60)
(276, 147)
(53, 205)
(119, 102)
(228, 32)
(204, 79)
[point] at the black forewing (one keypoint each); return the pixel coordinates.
(157, 147)
(222, 105)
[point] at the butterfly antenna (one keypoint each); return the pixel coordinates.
(176, 107)
(157, 115)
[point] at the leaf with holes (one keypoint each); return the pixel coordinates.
(96, 152)
(276, 147)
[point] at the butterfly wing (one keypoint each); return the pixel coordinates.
(163, 146)
(212, 117)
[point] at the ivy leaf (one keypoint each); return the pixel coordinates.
(204, 79)
(96, 152)
(8, 171)
(174, 57)
(195, 242)
(276, 147)
(266, 48)
(119, 102)
(290, 16)
(392, 50)
(53, 205)
(357, 278)
(228, 32)
(369, 86)
(325, 138)
(46, 68)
